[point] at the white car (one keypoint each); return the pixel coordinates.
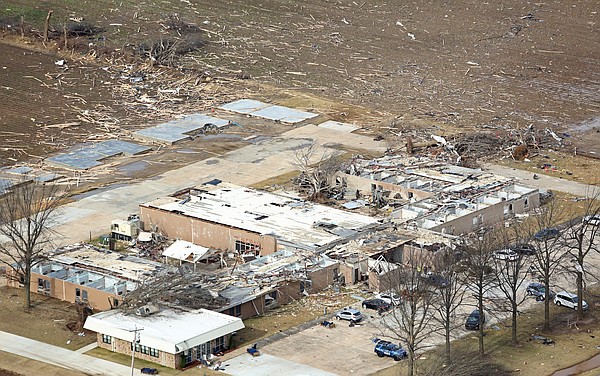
(592, 220)
(506, 254)
(389, 297)
(568, 299)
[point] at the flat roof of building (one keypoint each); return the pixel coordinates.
(112, 263)
(168, 330)
(292, 221)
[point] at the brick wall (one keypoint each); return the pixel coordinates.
(206, 234)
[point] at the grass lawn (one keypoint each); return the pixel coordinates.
(47, 321)
(140, 363)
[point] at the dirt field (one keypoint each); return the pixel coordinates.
(447, 66)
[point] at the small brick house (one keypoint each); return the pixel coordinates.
(169, 337)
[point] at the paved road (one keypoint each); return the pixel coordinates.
(544, 181)
(58, 356)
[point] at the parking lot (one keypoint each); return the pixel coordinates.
(341, 350)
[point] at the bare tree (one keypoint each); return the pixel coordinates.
(581, 240)
(549, 248)
(317, 172)
(411, 320)
(510, 275)
(450, 296)
(25, 219)
(480, 276)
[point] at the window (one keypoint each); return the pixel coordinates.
(84, 295)
(106, 339)
(187, 356)
(236, 311)
(146, 350)
(526, 203)
(247, 247)
(77, 294)
(219, 345)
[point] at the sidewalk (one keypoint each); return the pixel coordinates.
(60, 357)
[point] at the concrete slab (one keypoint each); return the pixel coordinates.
(284, 114)
(244, 106)
(46, 177)
(84, 157)
(268, 365)
(337, 126)
(179, 130)
(19, 170)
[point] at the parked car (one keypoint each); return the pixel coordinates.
(539, 291)
(592, 220)
(568, 299)
(149, 371)
(386, 348)
(349, 314)
(506, 255)
(435, 280)
(389, 297)
(378, 304)
(524, 249)
(473, 320)
(547, 233)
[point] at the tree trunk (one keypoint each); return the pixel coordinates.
(547, 302)
(514, 322)
(27, 286)
(579, 295)
(448, 355)
(411, 363)
(22, 26)
(481, 313)
(47, 25)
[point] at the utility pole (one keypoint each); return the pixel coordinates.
(136, 340)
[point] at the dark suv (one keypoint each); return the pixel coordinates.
(473, 320)
(377, 304)
(386, 348)
(547, 233)
(539, 291)
(524, 249)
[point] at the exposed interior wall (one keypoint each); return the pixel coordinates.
(67, 291)
(206, 234)
(323, 277)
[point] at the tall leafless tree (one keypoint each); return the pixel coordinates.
(549, 248)
(480, 276)
(450, 296)
(317, 172)
(581, 240)
(511, 275)
(411, 321)
(26, 213)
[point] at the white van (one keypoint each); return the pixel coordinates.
(568, 299)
